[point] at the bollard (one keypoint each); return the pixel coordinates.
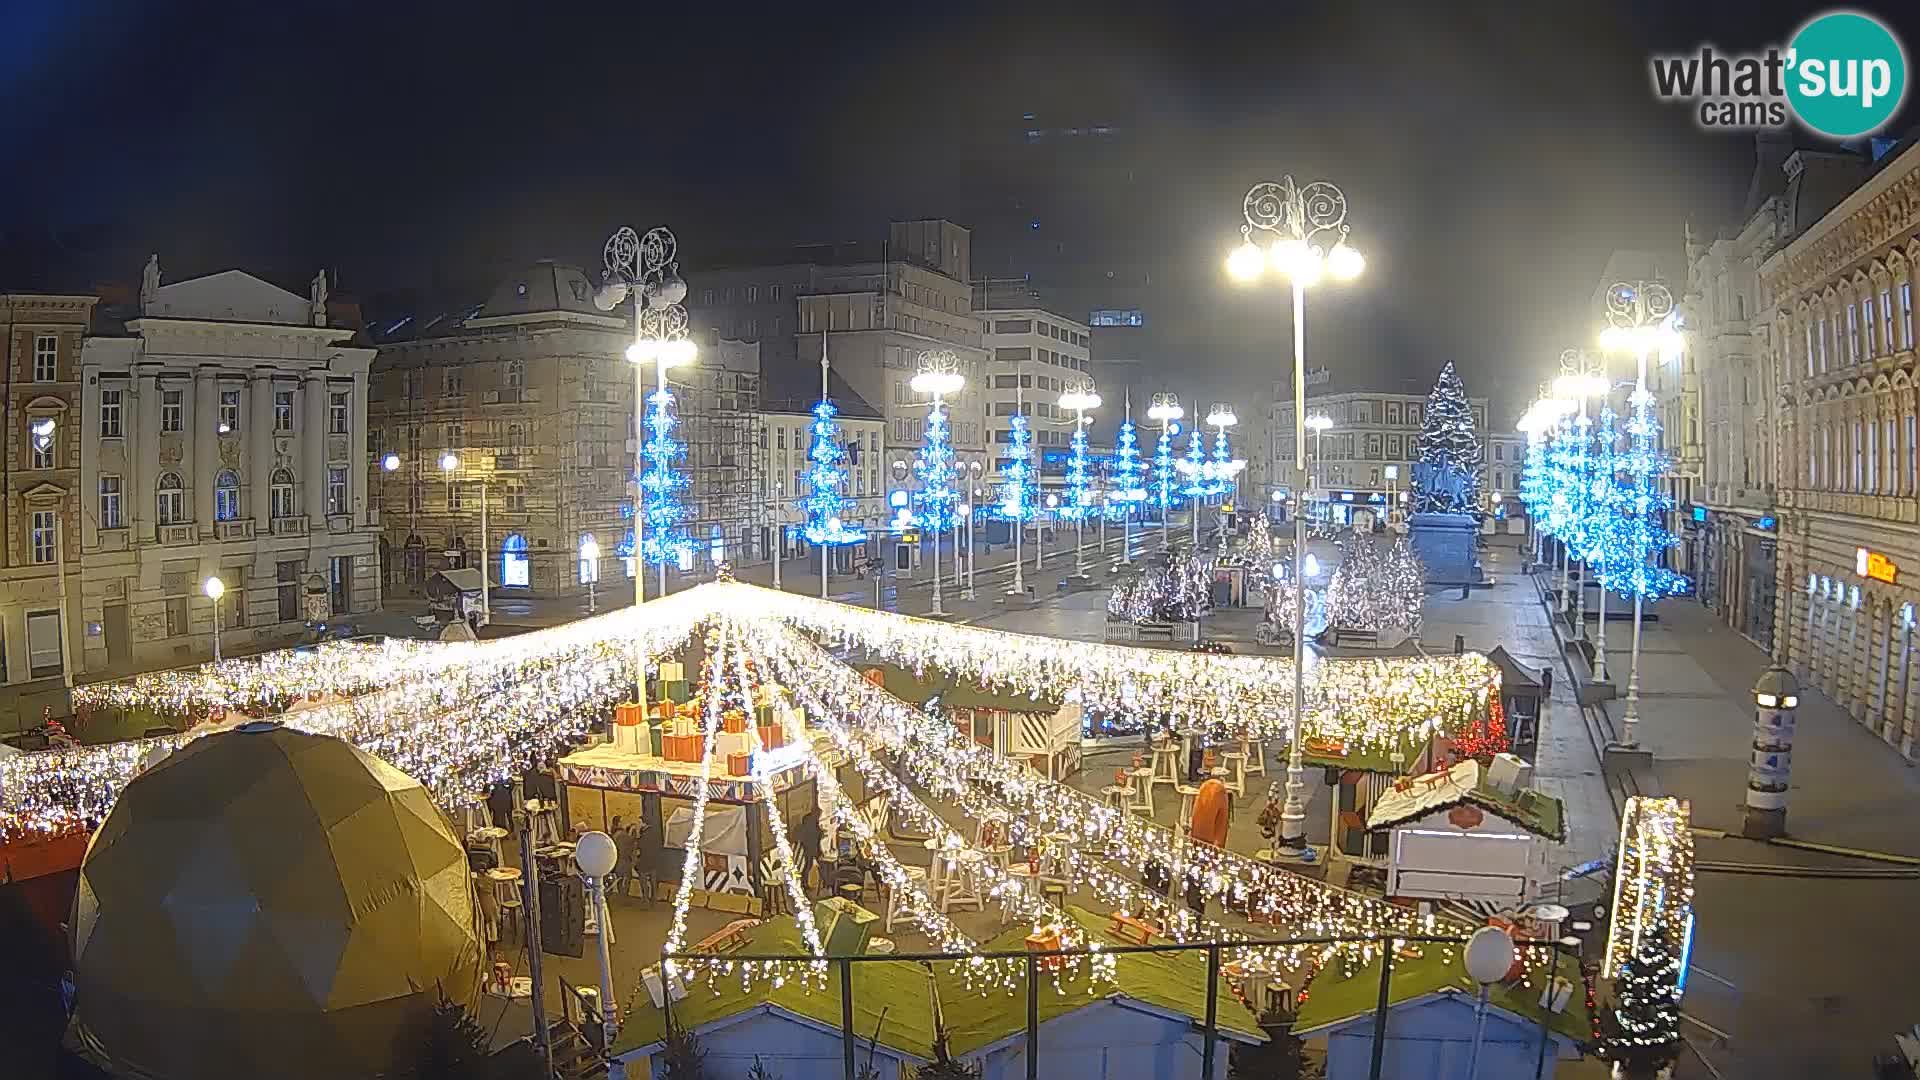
(1776, 697)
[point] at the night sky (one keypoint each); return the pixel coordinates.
(1492, 154)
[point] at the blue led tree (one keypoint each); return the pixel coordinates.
(663, 540)
(826, 478)
(1016, 501)
(1534, 489)
(1166, 486)
(1606, 495)
(1078, 505)
(1221, 480)
(1129, 472)
(1635, 536)
(1194, 467)
(934, 466)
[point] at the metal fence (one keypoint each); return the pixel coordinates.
(1036, 961)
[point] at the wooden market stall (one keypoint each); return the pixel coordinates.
(1359, 776)
(1523, 696)
(1470, 833)
(1043, 732)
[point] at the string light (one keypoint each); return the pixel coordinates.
(664, 541)
(826, 477)
(691, 867)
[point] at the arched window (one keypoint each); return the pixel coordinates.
(226, 496)
(516, 374)
(280, 504)
(171, 500)
(516, 438)
(514, 571)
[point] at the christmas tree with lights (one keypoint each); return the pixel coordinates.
(934, 466)
(827, 479)
(1196, 468)
(1606, 496)
(1166, 492)
(1129, 471)
(1448, 439)
(1641, 1032)
(1371, 591)
(1221, 480)
(1635, 536)
(1079, 501)
(663, 540)
(1016, 502)
(1533, 481)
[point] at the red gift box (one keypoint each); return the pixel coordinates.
(737, 764)
(772, 737)
(628, 714)
(734, 723)
(1047, 940)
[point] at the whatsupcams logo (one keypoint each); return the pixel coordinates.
(1843, 74)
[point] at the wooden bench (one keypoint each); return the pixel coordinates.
(1131, 929)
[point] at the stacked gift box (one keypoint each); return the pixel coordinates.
(673, 680)
(736, 748)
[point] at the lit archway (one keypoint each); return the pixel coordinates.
(514, 570)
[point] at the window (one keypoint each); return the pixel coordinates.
(706, 296)
(44, 651)
(280, 494)
(229, 411)
(1853, 450)
(172, 410)
(235, 604)
(451, 382)
(753, 297)
(171, 500)
(1872, 456)
(46, 358)
(1913, 477)
(774, 292)
(1906, 314)
(1013, 326)
(226, 496)
(41, 533)
(110, 414)
(336, 490)
(286, 577)
(283, 410)
(1826, 335)
(516, 438)
(456, 435)
(1117, 317)
(1889, 339)
(42, 442)
(110, 502)
(337, 412)
(1499, 452)
(454, 500)
(413, 438)
(1866, 326)
(1809, 349)
(177, 617)
(516, 499)
(516, 374)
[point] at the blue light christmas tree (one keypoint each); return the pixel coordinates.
(1534, 488)
(1195, 467)
(1635, 536)
(1079, 501)
(1221, 480)
(1166, 487)
(937, 499)
(1606, 497)
(1016, 487)
(826, 478)
(662, 539)
(1129, 472)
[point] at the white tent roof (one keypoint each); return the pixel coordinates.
(1424, 793)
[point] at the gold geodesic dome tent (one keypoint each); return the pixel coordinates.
(265, 902)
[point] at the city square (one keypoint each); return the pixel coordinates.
(1130, 567)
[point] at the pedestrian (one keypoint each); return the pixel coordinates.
(806, 845)
(626, 843)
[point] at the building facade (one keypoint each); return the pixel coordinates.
(1840, 308)
(786, 440)
(41, 338)
(1036, 355)
(222, 432)
(532, 395)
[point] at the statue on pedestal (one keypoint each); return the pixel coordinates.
(318, 292)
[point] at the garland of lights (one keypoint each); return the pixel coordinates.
(1128, 471)
(1220, 470)
(1016, 489)
(1364, 703)
(934, 466)
(690, 867)
(1637, 535)
(826, 477)
(1079, 501)
(269, 682)
(1650, 935)
(1195, 467)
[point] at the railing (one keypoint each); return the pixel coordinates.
(1039, 966)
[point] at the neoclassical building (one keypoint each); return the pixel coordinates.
(1842, 339)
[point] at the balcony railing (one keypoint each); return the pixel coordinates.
(290, 526)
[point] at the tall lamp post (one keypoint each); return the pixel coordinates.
(1226, 479)
(939, 375)
(1639, 320)
(594, 853)
(1318, 423)
(1166, 410)
(646, 270)
(215, 589)
(1307, 230)
(1081, 399)
(449, 465)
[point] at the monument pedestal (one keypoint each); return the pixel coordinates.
(1446, 545)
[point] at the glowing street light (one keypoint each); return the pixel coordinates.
(590, 566)
(1307, 227)
(939, 376)
(215, 589)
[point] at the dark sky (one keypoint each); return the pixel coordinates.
(1492, 154)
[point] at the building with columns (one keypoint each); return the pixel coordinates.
(222, 431)
(40, 340)
(1841, 330)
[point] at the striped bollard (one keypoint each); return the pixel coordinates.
(1776, 697)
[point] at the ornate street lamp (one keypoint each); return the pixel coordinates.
(939, 375)
(1305, 231)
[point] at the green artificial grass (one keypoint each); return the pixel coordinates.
(1333, 997)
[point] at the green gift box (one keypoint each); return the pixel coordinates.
(762, 715)
(653, 738)
(844, 926)
(674, 690)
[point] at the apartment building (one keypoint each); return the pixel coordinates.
(1036, 354)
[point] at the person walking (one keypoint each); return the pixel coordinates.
(806, 846)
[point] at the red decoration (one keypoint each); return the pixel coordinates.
(772, 736)
(1465, 816)
(738, 764)
(1487, 736)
